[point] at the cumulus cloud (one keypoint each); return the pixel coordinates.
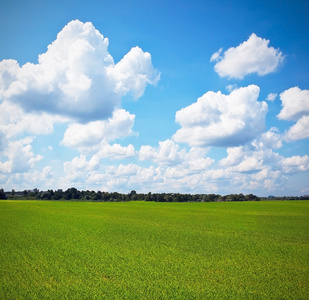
(133, 73)
(174, 169)
(168, 153)
(222, 120)
(295, 104)
(298, 131)
(295, 107)
(200, 164)
(231, 87)
(81, 164)
(250, 168)
(248, 159)
(250, 164)
(271, 97)
(20, 157)
(295, 164)
(44, 179)
(271, 139)
(234, 156)
(94, 138)
(88, 137)
(14, 121)
(257, 166)
(154, 179)
(17, 155)
(77, 76)
(216, 56)
(251, 56)
(116, 151)
(79, 169)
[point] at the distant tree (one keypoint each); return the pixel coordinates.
(46, 196)
(241, 197)
(160, 198)
(209, 198)
(148, 197)
(2, 194)
(231, 197)
(97, 197)
(251, 197)
(57, 195)
(132, 195)
(72, 193)
(154, 197)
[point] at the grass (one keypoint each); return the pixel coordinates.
(146, 250)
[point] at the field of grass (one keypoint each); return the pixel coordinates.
(147, 250)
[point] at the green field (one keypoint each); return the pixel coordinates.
(148, 250)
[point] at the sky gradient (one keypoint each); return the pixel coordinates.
(155, 96)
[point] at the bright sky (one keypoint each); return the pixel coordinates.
(155, 96)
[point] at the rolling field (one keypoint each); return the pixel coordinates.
(148, 250)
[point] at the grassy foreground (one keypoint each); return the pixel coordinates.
(147, 250)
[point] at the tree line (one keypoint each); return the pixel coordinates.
(76, 195)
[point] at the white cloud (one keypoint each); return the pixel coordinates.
(131, 176)
(271, 97)
(295, 107)
(234, 156)
(167, 153)
(254, 167)
(17, 155)
(250, 168)
(90, 137)
(124, 170)
(2, 140)
(270, 139)
(20, 157)
(200, 164)
(298, 131)
(295, 164)
(248, 159)
(133, 73)
(251, 56)
(176, 169)
(43, 179)
(93, 139)
(79, 169)
(216, 56)
(222, 120)
(250, 164)
(231, 87)
(170, 154)
(154, 179)
(116, 151)
(77, 76)
(295, 104)
(14, 121)
(81, 164)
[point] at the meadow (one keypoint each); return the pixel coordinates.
(149, 250)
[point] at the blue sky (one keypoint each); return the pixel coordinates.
(160, 96)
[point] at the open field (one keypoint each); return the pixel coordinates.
(147, 250)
